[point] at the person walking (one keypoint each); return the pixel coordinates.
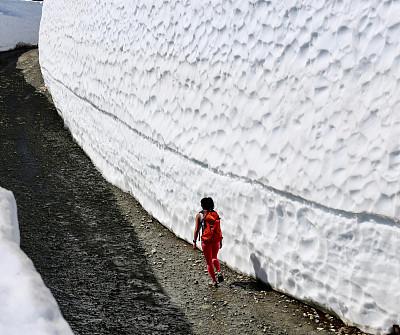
(211, 238)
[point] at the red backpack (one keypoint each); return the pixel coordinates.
(211, 229)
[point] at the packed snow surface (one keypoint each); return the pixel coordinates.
(27, 305)
(286, 113)
(19, 23)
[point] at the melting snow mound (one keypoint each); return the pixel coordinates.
(27, 305)
(285, 113)
(19, 23)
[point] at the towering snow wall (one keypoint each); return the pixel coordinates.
(285, 112)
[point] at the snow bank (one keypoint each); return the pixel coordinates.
(19, 23)
(27, 305)
(285, 113)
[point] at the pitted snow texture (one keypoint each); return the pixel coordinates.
(300, 97)
(249, 102)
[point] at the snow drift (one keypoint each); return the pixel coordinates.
(19, 23)
(27, 305)
(285, 113)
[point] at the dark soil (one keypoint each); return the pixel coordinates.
(112, 268)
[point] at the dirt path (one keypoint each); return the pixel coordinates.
(175, 280)
(241, 305)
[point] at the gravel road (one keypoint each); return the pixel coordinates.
(113, 268)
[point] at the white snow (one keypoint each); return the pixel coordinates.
(27, 305)
(19, 23)
(286, 113)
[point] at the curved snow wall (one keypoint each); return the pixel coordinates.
(286, 113)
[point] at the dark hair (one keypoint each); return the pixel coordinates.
(207, 204)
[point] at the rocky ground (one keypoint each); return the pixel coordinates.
(240, 305)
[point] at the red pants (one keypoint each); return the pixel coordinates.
(210, 251)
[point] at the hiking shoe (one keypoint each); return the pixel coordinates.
(220, 277)
(213, 284)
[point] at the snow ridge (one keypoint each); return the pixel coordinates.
(19, 23)
(27, 305)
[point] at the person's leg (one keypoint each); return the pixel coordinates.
(207, 251)
(215, 249)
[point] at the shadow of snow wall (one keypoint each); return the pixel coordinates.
(284, 113)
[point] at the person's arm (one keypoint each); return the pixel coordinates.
(196, 230)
